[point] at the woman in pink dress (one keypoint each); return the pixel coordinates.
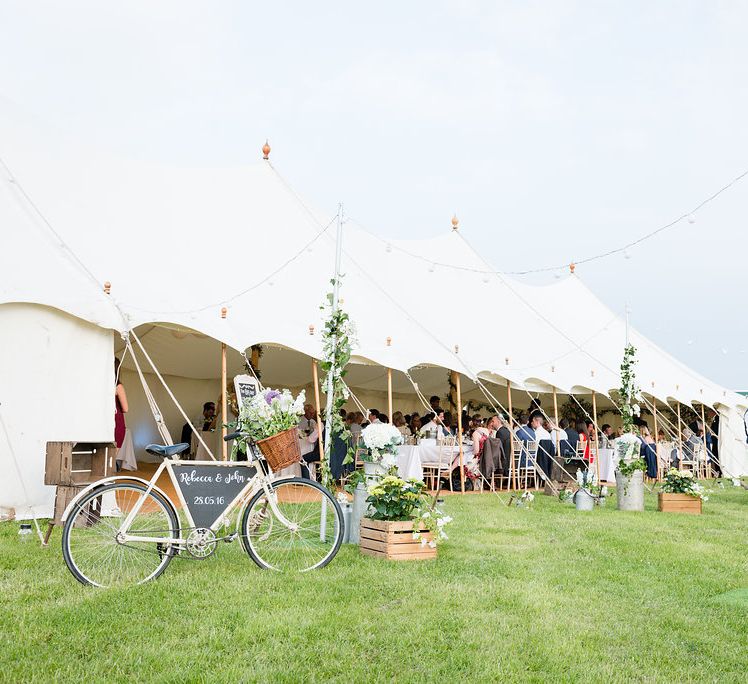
(120, 402)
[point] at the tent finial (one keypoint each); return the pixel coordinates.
(107, 287)
(311, 329)
(572, 266)
(266, 150)
(457, 349)
(224, 312)
(389, 341)
(455, 222)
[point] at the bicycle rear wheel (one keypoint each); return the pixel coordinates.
(90, 546)
(314, 536)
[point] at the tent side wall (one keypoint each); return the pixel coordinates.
(56, 384)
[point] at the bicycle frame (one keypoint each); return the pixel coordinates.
(258, 481)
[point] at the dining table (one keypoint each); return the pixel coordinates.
(412, 457)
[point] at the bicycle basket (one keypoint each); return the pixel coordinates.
(281, 450)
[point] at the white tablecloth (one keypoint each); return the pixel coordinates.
(410, 459)
(608, 463)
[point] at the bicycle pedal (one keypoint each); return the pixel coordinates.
(231, 538)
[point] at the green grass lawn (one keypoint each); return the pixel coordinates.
(546, 594)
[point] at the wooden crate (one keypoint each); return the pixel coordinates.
(679, 503)
(393, 540)
(77, 463)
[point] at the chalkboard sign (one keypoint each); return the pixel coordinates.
(209, 489)
(246, 387)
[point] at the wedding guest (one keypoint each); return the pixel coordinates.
(606, 436)
(355, 427)
(398, 421)
(383, 418)
(209, 417)
(308, 438)
(120, 409)
(661, 435)
(584, 438)
(481, 434)
(569, 445)
(435, 404)
(648, 451)
(528, 431)
(434, 426)
(374, 416)
(415, 425)
(449, 428)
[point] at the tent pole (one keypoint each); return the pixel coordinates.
(657, 455)
(680, 437)
(389, 393)
(335, 298)
(224, 407)
(512, 470)
(555, 417)
(459, 430)
(597, 445)
(315, 376)
(707, 462)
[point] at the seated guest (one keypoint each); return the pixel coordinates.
(383, 418)
(558, 434)
(449, 428)
(543, 431)
(343, 413)
(308, 438)
(374, 416)
(661, 435)
(569, 445)
(398, 421)
(481, 434)
(606, 436)
(584, 439)
(590, 430)
(528, 431)
(415, 425)
(434, 427)
(505, 435)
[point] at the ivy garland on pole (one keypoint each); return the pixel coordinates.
(628, 446)
(338, 337)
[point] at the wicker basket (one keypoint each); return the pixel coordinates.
(281, 450)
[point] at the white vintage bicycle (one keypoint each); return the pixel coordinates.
(125, 530)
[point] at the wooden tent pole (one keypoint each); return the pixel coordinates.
(597, 444)
(555, 417)
(707, 462)
(315, 376)
(680, 437)
(459, 432)
(389, 393)
(224, 407)
(512, 469)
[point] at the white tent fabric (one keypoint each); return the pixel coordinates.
(179, 244)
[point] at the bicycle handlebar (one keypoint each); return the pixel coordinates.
(232, 435)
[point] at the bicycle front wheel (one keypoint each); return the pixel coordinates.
(95, 552)
(307, 539)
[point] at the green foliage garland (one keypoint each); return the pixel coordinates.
(338, 336)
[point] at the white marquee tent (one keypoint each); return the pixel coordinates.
(180, 244)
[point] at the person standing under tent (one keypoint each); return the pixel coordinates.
(569, 445)
(714, 455)
(606, 435)
(125, 457)
(648, 451)
(435, 404)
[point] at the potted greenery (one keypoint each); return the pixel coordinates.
(381, 441)
(681, 493)
(403, 523)
(631, 466)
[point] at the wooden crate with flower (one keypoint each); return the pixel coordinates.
(403, 524)
(681, 493)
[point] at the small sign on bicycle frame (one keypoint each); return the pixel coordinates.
(208, 489)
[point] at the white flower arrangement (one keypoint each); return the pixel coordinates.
(628, 447)
(586, 479)
(381, 441)
(270, 412)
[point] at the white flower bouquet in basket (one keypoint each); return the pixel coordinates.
(381, 441)
(270, 419)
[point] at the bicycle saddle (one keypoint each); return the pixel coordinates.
(168, 451)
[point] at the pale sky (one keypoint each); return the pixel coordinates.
(555, 130)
